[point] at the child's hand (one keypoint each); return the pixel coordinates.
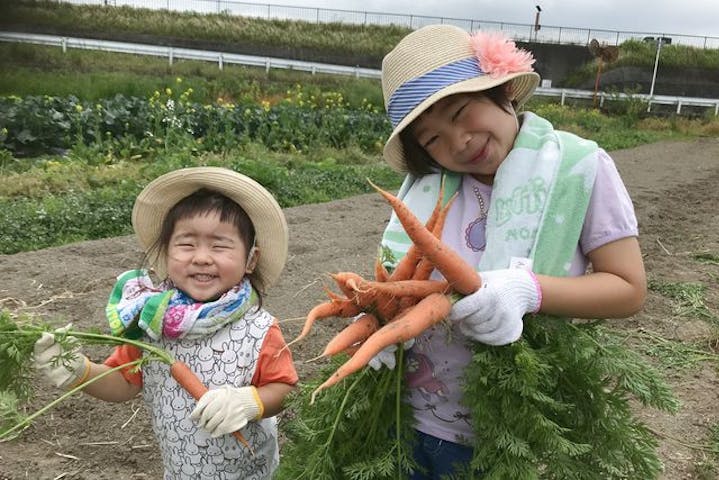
(386, 357)
(493, 314)
(64, 367)
(227, 409)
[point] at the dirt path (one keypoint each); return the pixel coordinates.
(674, 189)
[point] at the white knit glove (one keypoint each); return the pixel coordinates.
(227, 409)
(493, 314)
(387, 356)
(63, 367)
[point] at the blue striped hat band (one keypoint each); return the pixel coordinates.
(415, 91)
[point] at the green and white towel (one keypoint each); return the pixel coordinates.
(539, 199)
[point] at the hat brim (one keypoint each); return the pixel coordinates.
(160, 195)
(523, 86)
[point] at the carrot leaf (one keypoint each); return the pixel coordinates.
(358, 429)
(18, 334)
(16, 347)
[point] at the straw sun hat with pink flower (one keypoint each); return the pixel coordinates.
(436, 61)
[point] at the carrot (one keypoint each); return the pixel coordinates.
(385, 307)
(407, 302)
(189, 381)
(380, 272)
(425, 267)
(407, 288)
(408, 263)
(430, 310)
(406, 266)
(332, 308)
(383, 304)
(438, 226)
(352, 349)
(333, 296)
(346, 281)
(356, 332)
(463, 278)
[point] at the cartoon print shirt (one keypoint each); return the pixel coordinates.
(435, 365)
(240, 354)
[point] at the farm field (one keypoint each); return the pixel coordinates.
(673, 185)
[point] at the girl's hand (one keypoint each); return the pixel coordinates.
(493, 314)
(227, 409)
(64, 366)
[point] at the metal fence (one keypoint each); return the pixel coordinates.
(223, 58)
(518, 31)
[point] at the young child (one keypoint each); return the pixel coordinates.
(534, 208)
(217, 239)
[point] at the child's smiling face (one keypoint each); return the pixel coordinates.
(206, 257)
(467, 133)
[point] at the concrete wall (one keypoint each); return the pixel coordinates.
(554, 62)
(688, 82)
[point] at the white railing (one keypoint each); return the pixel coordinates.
(222, 58)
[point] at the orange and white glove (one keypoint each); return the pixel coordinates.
(493, 314)
(64, 366)
(227, 409)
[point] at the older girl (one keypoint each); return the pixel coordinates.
(534, 208)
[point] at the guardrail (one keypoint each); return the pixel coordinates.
(222, 58)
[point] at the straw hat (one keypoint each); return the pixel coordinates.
(160, 195)
(436, 61)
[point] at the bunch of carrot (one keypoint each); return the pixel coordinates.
(397, 306)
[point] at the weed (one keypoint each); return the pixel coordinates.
(707, 258)
(674, 354)
(688, 298)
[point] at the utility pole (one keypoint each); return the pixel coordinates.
(656, 65)
(654, 74)
(537, 26)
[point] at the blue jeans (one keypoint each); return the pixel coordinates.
(439, 457)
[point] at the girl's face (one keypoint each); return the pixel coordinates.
(206, 257)
(467, 133)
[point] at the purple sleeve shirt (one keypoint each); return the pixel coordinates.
(435, 365)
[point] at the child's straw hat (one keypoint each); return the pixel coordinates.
(160, 195)
(436, 61)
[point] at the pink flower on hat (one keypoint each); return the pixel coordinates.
(498, 55)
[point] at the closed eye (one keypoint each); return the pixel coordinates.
(458, 112)
(429, 142)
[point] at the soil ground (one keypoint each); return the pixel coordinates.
(673, 185)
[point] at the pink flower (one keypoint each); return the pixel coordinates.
(498, 55)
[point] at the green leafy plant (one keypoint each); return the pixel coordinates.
(556, 405)
(688, 297)
(17, 340)
(707, 258)
(360, 429)
(675, 354)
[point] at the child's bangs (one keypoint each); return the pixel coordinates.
(206, 202)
